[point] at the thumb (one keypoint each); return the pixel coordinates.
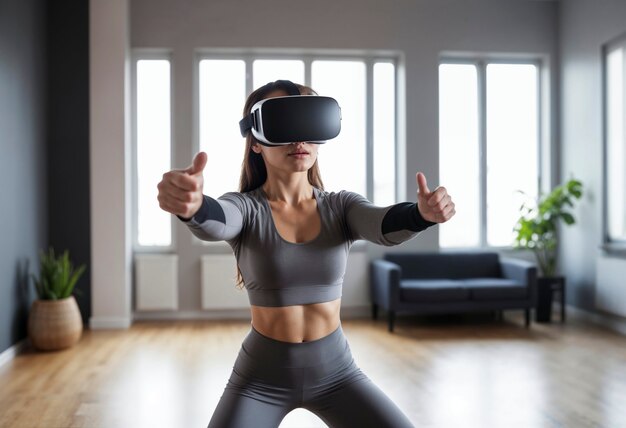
(199, 162)
(422, 186)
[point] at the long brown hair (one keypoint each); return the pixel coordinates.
(253, 170)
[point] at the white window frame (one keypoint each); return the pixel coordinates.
(308, 56)
(136, 56)
(481, 62)
(613, 246)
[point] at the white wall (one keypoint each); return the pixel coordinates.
(110, 164)
(420, 29)
(585, 25)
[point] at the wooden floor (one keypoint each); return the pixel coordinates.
(443, 372)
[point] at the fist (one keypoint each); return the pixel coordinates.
(435, 206)
(180, 190)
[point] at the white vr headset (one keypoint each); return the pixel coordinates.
(293, 118)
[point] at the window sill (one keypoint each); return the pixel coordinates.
(615, 249)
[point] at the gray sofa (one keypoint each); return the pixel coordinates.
(451, 282)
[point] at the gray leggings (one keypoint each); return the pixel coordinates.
(270, 378)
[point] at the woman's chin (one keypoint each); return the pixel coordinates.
(301, 166)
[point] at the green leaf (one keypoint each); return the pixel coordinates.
(57, 276)
(70, 284)
(568, 218)
(537, 229)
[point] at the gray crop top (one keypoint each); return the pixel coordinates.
(277, 272)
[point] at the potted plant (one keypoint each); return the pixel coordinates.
(537, 230)
(54, 321)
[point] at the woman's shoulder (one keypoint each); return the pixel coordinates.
(336, 194)
(248, 201)
(340, 199)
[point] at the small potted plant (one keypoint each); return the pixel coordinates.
(537, 230)
(54, 321)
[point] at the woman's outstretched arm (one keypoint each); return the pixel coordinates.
(397, 223)
(216, 220)
(180, 193)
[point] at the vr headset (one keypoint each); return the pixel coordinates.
(293, 118)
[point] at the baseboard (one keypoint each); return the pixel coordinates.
(612, 322)
(109, 323)
(13, 351)
(350, 312)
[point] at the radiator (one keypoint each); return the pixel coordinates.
(156, 281)
(218, 278)
(611, 285)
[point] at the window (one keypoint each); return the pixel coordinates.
(347, 161)
(489, 147)
(360, 159)
(264, 71)
(459, 152)
(152, 134)
(342, 160)
(615, 142)
(384, 127)
(222, 80)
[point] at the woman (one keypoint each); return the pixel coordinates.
(291, 240)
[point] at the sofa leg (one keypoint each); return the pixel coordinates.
(374, 311)
(392, 319)
(527, 317)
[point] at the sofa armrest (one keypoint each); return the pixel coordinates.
(384, 283)
(522, 271)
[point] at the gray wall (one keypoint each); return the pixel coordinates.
(23, 187)
(585, 25)
(44, 143)
(421, 29)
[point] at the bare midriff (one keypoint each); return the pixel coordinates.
(297, 323)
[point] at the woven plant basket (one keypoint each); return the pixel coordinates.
(54, 324)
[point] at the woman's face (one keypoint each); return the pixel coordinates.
(290, 158)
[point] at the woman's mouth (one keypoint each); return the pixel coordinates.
(299, 154)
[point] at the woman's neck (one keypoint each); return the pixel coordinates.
(292, 188)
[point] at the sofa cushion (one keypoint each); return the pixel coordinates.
(433, 290)
(494, 289)
(453, 265)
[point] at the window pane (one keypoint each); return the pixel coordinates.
(459, 151)
(344, 81)
(153, 150)
(222, 96)
(384, 134)
(265, 71)
(512, 146)
(616, 160)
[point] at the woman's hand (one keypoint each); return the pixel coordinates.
(180, 191)
(435, 206)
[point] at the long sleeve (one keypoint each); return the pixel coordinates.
(391, 225)
(219, 219)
